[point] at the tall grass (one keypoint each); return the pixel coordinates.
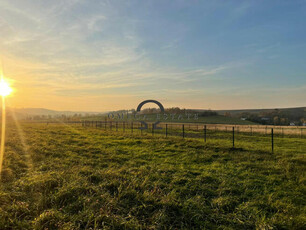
(93, 179)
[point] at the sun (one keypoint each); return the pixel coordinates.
(5, 88)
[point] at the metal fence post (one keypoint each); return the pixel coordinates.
(166, 130)
(233, 137)
(132, 127)
(141, 129)
(205, 133)
(183, 127)
(272, 140)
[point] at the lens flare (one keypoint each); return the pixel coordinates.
(5, 88)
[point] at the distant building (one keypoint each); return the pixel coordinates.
(243, 118)
(265, 118)
(304, 124)
(292, 124)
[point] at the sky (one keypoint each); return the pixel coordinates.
(101, 55)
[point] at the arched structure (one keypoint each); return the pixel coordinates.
(150, 101)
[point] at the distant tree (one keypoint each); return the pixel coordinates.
(284, 121)
(207, 113)
(276, 120)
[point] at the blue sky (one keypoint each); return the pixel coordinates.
(105, 55)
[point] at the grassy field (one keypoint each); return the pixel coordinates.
(70, 177)
(251, 130)
(217, 119)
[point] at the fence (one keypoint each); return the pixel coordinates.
(265, 135)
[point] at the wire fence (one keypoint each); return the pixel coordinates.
(232, 135)
(280, 131)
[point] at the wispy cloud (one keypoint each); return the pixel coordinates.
(78, 48)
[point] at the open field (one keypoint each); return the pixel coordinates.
(72, 177)
(283, 131)
(216, 119)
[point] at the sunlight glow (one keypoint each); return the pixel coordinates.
(5, 88)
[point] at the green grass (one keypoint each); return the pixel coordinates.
(69, 177)
(217, 119)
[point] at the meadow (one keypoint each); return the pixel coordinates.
(61, 176)
(215, 119)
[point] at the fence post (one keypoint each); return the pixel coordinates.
(152, 129)
(166, 130)
(233, 137)
(272, 140)
(132, 127)
(205, 133)
(183, 127)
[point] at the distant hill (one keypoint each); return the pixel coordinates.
(283, 116)
(238, 111)
(278, 116)
(22, 113)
